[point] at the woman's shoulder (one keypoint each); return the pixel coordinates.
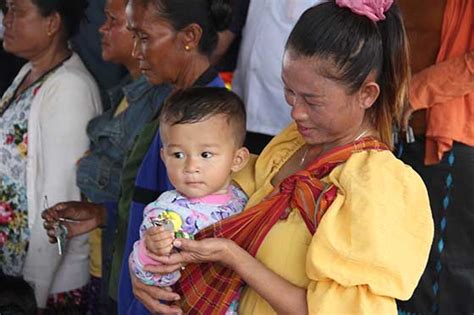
(381, 204)
(73, 74)
(279, 150)
(378, 166)
(288, 139)
(377, 180)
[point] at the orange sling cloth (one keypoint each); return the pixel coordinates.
(447, 88)
(210, 288)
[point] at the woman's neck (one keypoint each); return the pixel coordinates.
(48, 59)
(192, 70)
(311, 152)
(133, 68)
(366, 129)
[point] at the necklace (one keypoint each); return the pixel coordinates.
(361, 134)
(303, 158)
(9, 99)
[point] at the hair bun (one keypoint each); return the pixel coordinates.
(221, 12)
(82, 7)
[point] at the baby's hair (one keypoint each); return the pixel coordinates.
(196, 104)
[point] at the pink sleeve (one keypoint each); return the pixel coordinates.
(143, 255)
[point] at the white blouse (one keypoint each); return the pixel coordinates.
(57, 138)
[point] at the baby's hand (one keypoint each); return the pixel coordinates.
(159, 241)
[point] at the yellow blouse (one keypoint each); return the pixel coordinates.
(371, 246)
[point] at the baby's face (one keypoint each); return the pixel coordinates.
(200, 157)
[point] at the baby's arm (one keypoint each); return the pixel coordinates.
(153, 241)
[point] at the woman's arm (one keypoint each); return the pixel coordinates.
(284, 297)
(443, 82)
(440, 83)
(151, 297)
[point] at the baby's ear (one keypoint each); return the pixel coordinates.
(241, 158)
(162, 154)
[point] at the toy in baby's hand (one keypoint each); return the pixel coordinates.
(171, 221)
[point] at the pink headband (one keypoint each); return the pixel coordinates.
(373, 9)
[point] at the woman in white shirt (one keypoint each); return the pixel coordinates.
(43, 118)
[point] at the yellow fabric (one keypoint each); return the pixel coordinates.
(371, 246)
(95, 259)
(241, 177)
(121, 107)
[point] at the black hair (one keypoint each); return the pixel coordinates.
(16, 296)
(72, 12)
(211, 15)
(196, 104)
(358, 46)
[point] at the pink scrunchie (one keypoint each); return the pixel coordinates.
(373, 9)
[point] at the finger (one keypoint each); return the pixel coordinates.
(158, 235)
(157, 256)
(163, 269)
(155, 230)
(61, 206)
(187, 245)
(164, 251)
(74, 210)
(159, 243)
(48, 225)
(157, 293)
(49, 215)
(155, 307)
(175, 309)
(153, 304)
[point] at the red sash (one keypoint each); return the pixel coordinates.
(210, 288)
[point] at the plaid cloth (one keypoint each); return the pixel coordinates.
(209, 288)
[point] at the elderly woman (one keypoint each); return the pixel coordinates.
(134, 102)
(43, 118)
(173, 42)
(336, 224)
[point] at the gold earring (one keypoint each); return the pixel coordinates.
(187, 48)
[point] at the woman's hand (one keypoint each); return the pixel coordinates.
(78, 217)
(282, 295)
(150, 297)
(206, 250)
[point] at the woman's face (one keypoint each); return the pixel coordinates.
(26, 30)
(156, 44)
(323, 109)
(117, 41)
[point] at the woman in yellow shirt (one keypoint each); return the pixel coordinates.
(335, 223)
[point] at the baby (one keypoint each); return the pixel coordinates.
(202, 130)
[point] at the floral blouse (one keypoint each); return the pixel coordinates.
(14, 232)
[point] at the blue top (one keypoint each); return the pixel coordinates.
(150, 182)
(98, 173)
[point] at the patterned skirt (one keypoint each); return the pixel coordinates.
(68, 303)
